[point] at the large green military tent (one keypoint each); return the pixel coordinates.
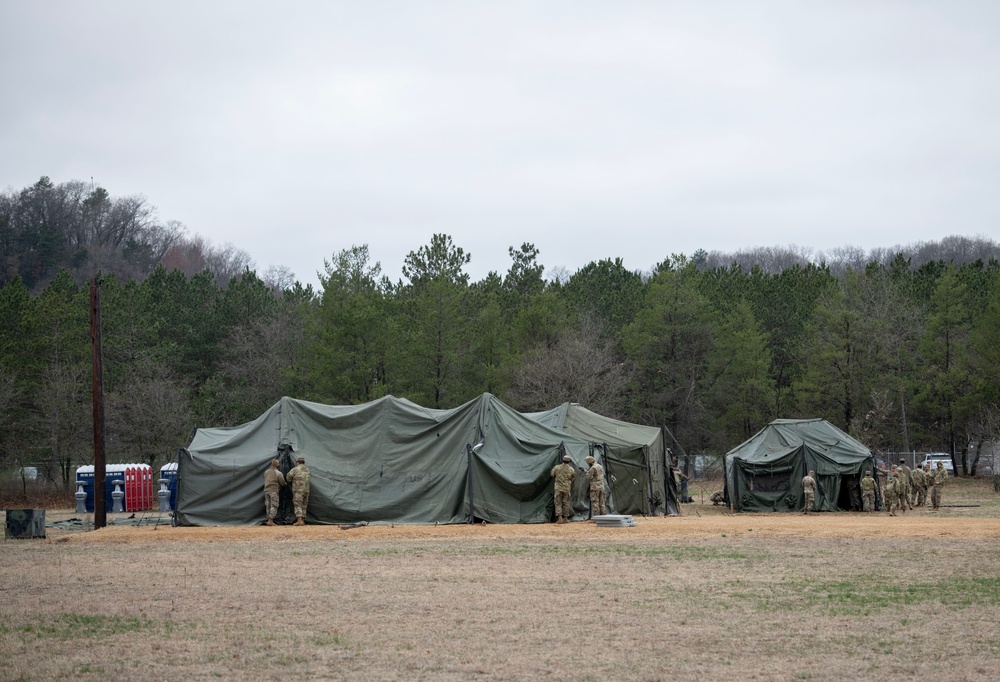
(634, 457)
(765, 472)
(389, 460)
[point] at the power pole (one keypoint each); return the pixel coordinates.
(97, 392)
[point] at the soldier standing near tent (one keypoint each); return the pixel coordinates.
(906, 479)
(889, 493)
(681, 479)
(274, 480)
(894, 492)
(868, 492)
(938, 477)
(298, 478)
(918, 484)
(595, 474)
(809, 491)
(564, 474)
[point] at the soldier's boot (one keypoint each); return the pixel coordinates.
(560, 519)
(299, 521)
(270, 522)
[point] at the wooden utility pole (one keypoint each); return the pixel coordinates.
(100, 503)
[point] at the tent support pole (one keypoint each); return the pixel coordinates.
(666, 472)
(468, 482)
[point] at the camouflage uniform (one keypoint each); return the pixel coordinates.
(890, 494)
(882, 480)
(918, 494)
(564, 474)
(938, 477)
(274, 480)
(809, 492)
(906, 481)
(595, 474)
(298, 478)
(868, 492)
(718, 497)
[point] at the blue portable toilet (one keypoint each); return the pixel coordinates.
(169, 472)
(112, 473)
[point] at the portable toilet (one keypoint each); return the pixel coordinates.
(138, 487)
(112, 473)
(169, 472)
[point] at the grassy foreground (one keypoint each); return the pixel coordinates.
(487, 603)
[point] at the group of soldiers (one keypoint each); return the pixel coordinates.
(564, 473)
(904, 488)
(298, 479)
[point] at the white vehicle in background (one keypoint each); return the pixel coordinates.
(943, 457)
(26, 473)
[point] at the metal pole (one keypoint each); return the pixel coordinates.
(468, 483)
(97, 393)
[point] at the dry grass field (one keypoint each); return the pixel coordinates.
(706, 596)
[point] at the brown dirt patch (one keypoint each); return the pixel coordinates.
(916, 524)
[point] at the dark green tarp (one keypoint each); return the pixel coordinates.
(765, 472)
(389, 460)
(634, 457)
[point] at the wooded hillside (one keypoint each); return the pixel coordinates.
(901, 347)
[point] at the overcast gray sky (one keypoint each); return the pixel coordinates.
(591, 129)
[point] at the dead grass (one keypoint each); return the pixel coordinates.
(705, 596)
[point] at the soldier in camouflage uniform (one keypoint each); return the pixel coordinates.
(718, 497)
(868, 492)
(809, 492)
(918, 492)
(882, 477)
(298, 478)
(938, 477)
(274, 480)
(890, 492)
(906, 478)
(595, 475)
(564, 474)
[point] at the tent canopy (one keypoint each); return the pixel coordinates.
(389, 460)
(764, 473)
(634, 457)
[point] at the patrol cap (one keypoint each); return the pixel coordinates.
(567, 458)
(301, 459)
(590, 460)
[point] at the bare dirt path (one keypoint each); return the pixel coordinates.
(705, 524)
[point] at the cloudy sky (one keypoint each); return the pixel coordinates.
(591, 129)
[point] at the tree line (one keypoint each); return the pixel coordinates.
(901, 353)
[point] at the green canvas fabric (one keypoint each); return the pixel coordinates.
(389, 461)
(764, 473)
(635, 462)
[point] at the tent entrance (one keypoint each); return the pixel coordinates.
(850, 492)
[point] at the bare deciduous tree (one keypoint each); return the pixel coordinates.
(147, 416)
(579, 368)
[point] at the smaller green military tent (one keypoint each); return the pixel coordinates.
(634, 457)
(765, 472)
(389, 461)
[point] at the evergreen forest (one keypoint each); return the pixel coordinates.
(899, 346)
